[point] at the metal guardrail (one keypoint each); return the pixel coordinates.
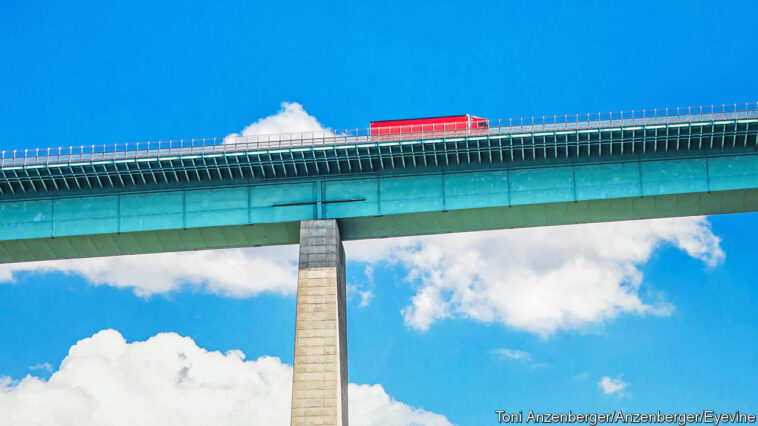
(242, 143)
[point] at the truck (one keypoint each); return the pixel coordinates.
(429, 127)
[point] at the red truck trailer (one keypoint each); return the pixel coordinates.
(430, 127)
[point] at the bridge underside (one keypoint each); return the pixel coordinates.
(214, 237)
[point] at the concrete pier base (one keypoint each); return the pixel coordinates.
(319, 383)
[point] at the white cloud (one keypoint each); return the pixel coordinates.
(6, 273)
(515, 354)
(581, 377)
(539, 279)
(46, 367)
(6, 383)
(232, 272)
(364, 291)
(370, 405)
(366, 297)
(613, 386)
(169, 380)
(290, 122)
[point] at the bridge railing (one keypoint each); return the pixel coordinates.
(235, 143)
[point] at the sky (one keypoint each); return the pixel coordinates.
(644, 316)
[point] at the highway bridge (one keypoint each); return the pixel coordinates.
(318, 188)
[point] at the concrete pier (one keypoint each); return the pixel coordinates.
(319, 383)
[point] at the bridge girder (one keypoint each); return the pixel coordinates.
(380, 189)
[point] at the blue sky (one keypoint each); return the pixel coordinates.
(681, 336)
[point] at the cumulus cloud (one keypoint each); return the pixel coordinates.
(6, 383)
(169, 380)
(539, 279)
(613, 386)
(232, 272)
(370, 405)
(290, 122)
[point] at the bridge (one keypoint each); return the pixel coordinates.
(319, 188)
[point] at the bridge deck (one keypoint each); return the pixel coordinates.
(30, 173)
(222, 197)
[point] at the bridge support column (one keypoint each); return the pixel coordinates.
(319, 382)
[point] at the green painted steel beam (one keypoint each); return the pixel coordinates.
(437, 222)
(374, 205)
